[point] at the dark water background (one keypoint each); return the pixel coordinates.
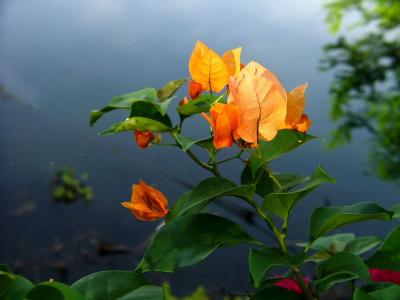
(62, 58)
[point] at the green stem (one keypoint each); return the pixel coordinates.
(230, 158)
(213, 169)
(304, 287)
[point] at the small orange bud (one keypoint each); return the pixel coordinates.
(184, 101)
(195, 89)
(147, 203)
(143, 138)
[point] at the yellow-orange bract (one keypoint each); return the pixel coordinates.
(147, 203)
(211, 70)
(295, 117)
(261, 100)
(224, 121)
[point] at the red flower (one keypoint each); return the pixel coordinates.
(144, 138)
(291, 284)
(379, 275)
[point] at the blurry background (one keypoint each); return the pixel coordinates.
(60, 59)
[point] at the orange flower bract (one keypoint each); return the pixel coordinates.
(195, 89)
(261, 100)
(296, 102)
(224, 121)
(211, 70)
(144, 138)
(147, 203)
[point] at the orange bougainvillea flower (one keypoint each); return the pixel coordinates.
(261, 100)
(147, 203)
(144, 138)
(211, 70)
(295, 117)
(195, 89)
(224, 121)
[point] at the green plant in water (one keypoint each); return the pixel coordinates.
(68, 187)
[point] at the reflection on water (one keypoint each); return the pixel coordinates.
(78, 54)
(366, 87)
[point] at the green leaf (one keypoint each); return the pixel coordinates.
(170, 89)
(208, 190)
(201, 104)
(396, 210)
(6, 281)
(362, 244)
(388, 255)
(359, 294)
(281, 204)
(109, 285)
(123, 102)
(333, 243)
(185, 142)
(151, 111)
(188, 240)
(18, 289)
(289, 181)
(143, 124)
(391, 292)
(340, 267)
(286, 140)
(275, 293)
(54, 291)
(325, 219)
(148, 292)
(261, 261)
(5, 268)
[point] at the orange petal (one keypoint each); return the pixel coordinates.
(195, 89)
(143, 138)
(296, 102)
(232, 60)
(304, 124)
(261, 100)
(208, 68)
(147, 203)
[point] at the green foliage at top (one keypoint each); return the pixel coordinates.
(365, 91)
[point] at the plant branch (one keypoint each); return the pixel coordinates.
(213, 169)
(238, 155)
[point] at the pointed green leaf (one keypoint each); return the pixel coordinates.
(185, 142)
(148, 292)
(391, 292)
(333, 243)
(53, 290)
(188, 240)
(208, 190)
(123, 102)
(281, 204)
(170, 89)
(362, 244)
(388, 255)
(340, 267)
(13, 287)
(359, 294)
(109, 285)
(285, 141)
(201, 104)
(139, 123)
(261, 261)
(325, 219)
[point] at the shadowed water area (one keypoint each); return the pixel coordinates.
(60, 59)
